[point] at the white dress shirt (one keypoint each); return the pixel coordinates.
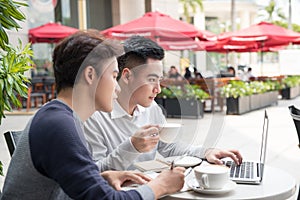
(109, 137)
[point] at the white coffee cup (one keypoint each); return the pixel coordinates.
(168, 132)
(212, 176)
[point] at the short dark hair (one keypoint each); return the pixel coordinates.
(69, 56)
(137, 50)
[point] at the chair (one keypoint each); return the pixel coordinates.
(295, 113)
(12, 138)
(49, 88)
(36, 97)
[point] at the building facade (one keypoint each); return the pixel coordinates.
(101, 14)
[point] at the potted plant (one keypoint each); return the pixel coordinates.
(256, 99)
(183, 101)
(237, 97)
(271, 95)
(290, 87)
(13, 61)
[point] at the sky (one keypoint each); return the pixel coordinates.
(283, 4)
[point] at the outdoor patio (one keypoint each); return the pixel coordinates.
(238, 131)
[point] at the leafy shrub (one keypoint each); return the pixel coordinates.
(185, 91)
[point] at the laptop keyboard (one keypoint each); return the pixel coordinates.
(245, 170)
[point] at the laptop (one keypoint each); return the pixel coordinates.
(251, 172)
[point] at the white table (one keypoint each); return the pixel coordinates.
(277, 185)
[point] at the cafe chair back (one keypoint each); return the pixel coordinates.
(11, 138)
(295, 113)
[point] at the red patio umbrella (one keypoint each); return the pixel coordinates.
(50, 33)
(206, 35)
(154, 25)
(186, 45)
(242, 48)
(263, 34)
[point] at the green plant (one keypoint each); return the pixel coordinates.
(291, 81)
(171, 92)
(194, 91)
(257, 87)
(13, 62)
(236, 89)
(9, 14)
(272, 85)
(185, 91)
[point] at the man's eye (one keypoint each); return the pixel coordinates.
(115, 75)
(152, 79)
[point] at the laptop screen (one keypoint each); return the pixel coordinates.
(263, 147)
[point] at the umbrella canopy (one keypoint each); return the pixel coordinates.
(186, 45)
(297, 41)
(154, 25)
(206, 35)
(50, 33)
(242, 48)
(263, 34)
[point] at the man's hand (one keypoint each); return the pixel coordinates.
(214, 156)
(118, 178)
(146, 138)
(168, 182)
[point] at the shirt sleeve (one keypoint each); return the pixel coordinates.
(59, 154)
(119, 159)
(177, 149)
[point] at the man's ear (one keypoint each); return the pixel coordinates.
(126, 74)
(89, 74)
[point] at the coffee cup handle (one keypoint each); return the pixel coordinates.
(204, 180)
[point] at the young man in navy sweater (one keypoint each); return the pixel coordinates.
(52, 159)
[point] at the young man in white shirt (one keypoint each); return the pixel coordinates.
(118, 139)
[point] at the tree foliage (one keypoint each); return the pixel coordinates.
(275, 15)
(295, 27)
(13, 61)
(272, 11)
(9, 15)
(190, 8)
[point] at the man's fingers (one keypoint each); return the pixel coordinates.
(116, 185)
(236, 156)
(137, 178)
(151, 131)
(179, 169)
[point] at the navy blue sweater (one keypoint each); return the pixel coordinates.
(58, 153)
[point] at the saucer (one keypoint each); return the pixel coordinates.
(188, 161)
(194, 185)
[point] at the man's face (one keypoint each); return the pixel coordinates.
(145, 84)
(107, 87)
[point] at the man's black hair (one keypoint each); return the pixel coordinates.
(137, 50)
(144, 47)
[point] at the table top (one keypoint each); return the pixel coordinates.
(276, 184)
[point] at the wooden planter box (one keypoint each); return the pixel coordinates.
(273, 95)
(184, 108)
(255, 101)
(237, 106)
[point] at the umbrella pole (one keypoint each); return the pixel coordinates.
(227, 57)
(261, 64)
(261, 59)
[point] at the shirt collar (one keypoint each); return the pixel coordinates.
(119, 112)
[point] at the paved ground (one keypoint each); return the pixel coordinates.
(240, 132)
